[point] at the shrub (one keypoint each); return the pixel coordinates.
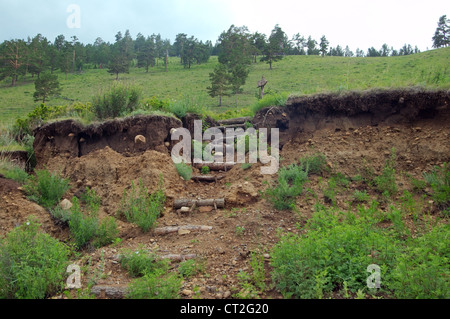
(141, 208)
(308, 266)
(205, 170)
(184, 170)
(86, 228)
(82, 228)
(385, 183)
(141, 262)
(422, 271)
(439, 180)
(32, 264)
(361, 196)
(315, 164)
(191, 267)
(117, 101)
(14, 172)
(156, 285)
(270, 99)
(46, 188)
(289, 185)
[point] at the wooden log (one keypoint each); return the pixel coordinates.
(239, 120)
(216, 166)
(110, 292)
(178, 203)
(207, 178)
(179, 258)
(174, 229)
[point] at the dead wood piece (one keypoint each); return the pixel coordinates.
(207, 178)
(174, 229)
(239, 120)
(216, 166)
(179, 258)
(110, 292)
(179, 203)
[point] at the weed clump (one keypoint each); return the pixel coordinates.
(32, 264)
(142, 208)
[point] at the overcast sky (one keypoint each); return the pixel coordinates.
(357, 23)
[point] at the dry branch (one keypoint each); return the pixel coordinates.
(207, 178)
(110, 292)
(178, 203)
(174, 229)
(240, 120)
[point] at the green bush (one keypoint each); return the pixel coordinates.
(439, 180)
(422, 271)
(157, 285)
(117, 101)
(361, 196)
(14, 172)
(46, 188)
(32, 264)
(191, 267)
(205, 170)
(315, 164)
(331, 253)
(274, 99)
(86, 228)
(289, 185)
(385, 183)
(141, 262)
(138, 207)
(184, 170)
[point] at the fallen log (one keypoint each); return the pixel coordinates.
(219, 203)
(239, 120)
(207, 178)
(179, 258)
(110, 292)
(174, 229)
(216, 166)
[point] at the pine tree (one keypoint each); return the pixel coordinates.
(323, 45)
(45, 86)
(220, 83)
(274, 50)
(441, 37)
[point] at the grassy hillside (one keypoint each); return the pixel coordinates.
(294, 74)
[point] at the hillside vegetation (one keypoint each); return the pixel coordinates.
(296, 75)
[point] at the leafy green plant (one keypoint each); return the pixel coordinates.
(205, 170)
(258, 271)
(32, 264)
(142, 208)
(361, 196)
(343, 249)
(289, 185)
(86, 228)
(439, 180)
(117, 101)
(385, 183)
(141, 262)
(315, 164)
(156, 285)
(14, 172)
(191, 267)
(46, 188)
(421, 269)
(246, 166)
(184, 170)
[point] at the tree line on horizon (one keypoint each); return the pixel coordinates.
(38, 55)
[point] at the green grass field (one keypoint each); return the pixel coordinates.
(294, 74)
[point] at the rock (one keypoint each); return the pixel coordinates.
(187, 292)
(139, 139)
(205, 209)
(183, 232)
(66, 204)
(227, 294)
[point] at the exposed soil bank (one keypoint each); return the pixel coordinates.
(71, 139)
(304, 115)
